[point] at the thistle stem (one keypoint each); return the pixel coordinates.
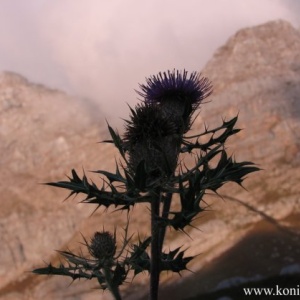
(155, 248)
(112, 288)
(165, 213)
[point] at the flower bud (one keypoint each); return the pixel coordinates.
(103, 245)
(152, 138)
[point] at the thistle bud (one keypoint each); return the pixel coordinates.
(152, 138)
(103, 245)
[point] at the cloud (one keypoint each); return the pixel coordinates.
(102, 49)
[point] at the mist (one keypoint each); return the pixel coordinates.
(101, 50)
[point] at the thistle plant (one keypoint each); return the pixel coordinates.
(153, 172)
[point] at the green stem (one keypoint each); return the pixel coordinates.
(112, 288)
(155, 248)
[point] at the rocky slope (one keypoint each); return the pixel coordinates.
(256, 74)
(43, 133)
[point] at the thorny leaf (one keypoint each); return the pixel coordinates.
(116, 140)
(138, 258)
(174, 261)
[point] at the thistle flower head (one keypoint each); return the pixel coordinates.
(152, 138)
(147, 122)
(178, 94)
(103, 245)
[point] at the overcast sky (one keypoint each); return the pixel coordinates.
(102, 49)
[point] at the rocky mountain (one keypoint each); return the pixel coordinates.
(45, 133)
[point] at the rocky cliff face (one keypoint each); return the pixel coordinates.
(256, 74)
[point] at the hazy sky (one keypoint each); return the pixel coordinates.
(102, 49)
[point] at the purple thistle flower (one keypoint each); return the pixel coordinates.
(176, 85)
(178, 94)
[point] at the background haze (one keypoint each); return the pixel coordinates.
(101, 50)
